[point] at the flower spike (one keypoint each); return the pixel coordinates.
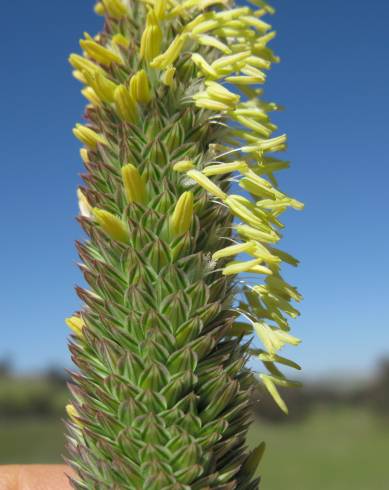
(182, 213)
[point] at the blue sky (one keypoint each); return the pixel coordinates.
(333, 80)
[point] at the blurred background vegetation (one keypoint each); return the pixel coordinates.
(335, 438)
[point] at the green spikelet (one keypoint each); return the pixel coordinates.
(179, 197)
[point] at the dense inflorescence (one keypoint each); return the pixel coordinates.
(179, 197)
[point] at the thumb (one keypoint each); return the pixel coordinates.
(35, 477)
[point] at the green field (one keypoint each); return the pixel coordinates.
(331, 450)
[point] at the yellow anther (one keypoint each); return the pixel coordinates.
(115, 8)
(210, 104)
(247, 266)
(76, 324)
(167, 77)
(88, 136)
(134, 185)
(99, 9)
(121, 40)
(140, 88)
(78, 75)
(103, 87)
(125, 104)
(219, 93)
(84, 155)
(83, 204)
(100, 53)
(183, 166)
(182, 216)
(82, 64)
(207, 184)
(171, 54)
(246, 247)
(204, 66)
(91, 95)
(225, 168)
(112, 225)
(73, 414)
(151, 41)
